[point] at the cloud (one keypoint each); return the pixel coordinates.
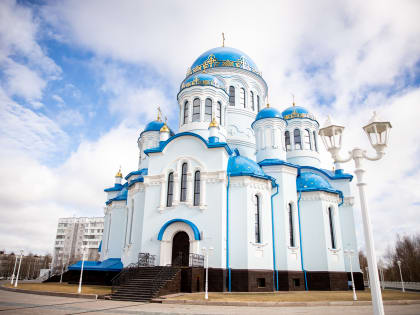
(34, 196)
(27, 69)
(24, 130)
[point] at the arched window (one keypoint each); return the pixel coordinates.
(315, 142)
(170, 194)
(252, 101)
(231, 96)
(298, 141)
(184, 182)
(196, 110)
(258, 103)
(287, 140)
(331, 217)
(307, 139)
(219, 113)
(186, 108)
(242, 98)
(291, 228)
(208, 110)
(197, 188)
(257, 219)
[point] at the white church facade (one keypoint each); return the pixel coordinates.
(240, 177)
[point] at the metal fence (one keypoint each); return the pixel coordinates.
(146, 260)
(414, 286)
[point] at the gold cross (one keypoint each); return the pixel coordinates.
(159, 114)
(223, 41)
(293, 99)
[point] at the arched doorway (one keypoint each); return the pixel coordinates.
(181, 248)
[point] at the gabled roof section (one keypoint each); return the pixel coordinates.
(143, 171)
(122, 195)
(117, 187)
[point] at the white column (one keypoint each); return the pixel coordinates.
(162, 194)
(177, 190)
(202, 189)
(190, 188)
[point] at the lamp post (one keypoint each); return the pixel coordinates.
(206, 254)
(377, 133)
(350, 253)
(367, 276)
(62, 270)
(81, 270)
(402, 282)
(14, 269)
(20, 263)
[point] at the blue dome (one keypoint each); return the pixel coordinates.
(242, 166)
(312, 181)
(203, 79)
(268, 112)
(154, 125)
(297, 112)
(223, 57)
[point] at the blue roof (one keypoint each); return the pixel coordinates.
(223, 57)
(111, 264)
(155, 125)
(122, 195)
(203, 79)
(117, 187)
(297, 112)
(268, 112)
(242, 166)
(143, 171)
(309, 181)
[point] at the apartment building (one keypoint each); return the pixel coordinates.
(74, 234)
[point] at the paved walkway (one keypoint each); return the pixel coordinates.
(22, 303)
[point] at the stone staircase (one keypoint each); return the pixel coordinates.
(142, 284)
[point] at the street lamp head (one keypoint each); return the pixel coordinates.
(331, 135)
(378, 133)
(399, 262)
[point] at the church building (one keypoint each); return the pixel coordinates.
(239, 177)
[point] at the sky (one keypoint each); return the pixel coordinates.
(80, 79)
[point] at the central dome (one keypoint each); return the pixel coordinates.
(223, 57)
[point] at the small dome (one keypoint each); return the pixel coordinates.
(312, 181)
(242, 166)
(155, 125)
(268, 112)
(223, 57)
(297, 112)
(202, 79)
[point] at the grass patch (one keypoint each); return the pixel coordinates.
(298, 296)
(63, 288)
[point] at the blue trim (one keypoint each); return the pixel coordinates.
(192, 225)
(209, 145)
(338, 174)
(143, 171)
(331, 175)
(300, 240)
(122, 195)
(275, 271)
(213, 139)
(139, 179)
(227, 235)
(117, 187)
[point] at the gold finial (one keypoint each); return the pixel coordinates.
(164, 128)
(293, 96)
(119, 174)
(159, 114)
(213, 123)
(223, 39)
(268, 105)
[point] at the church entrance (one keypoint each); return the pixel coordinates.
(181, 249)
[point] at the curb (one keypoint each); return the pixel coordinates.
(60, 294)
(283, 304)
